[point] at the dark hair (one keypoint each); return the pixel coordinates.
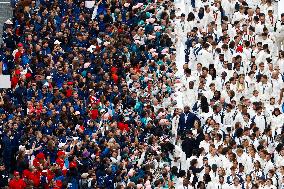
(204, 105)
(190, 16)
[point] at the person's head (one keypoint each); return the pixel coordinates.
(264, 78)
(221, 179)
(276, 112)
(212, 87)
(196, 124)
(236, 181)
(255, 93)
(191, 85)
(186, 109)
(207, 137)
(2, 166)
(248, 178)
(269, 182)
(272, 101)
(17, 175)
(194, 163)
(257, 165)
(207, 168)
(204, 71)
(201, 185)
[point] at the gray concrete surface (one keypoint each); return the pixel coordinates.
(5, 13)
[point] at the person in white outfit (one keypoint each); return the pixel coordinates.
(279, 32)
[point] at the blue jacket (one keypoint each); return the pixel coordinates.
(188, 123)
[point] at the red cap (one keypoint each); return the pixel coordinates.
(26, 173)
(239, 49)
(60, 153)
(70, 83)
(113, 69)
(17, 72)
(40, 155)
(28, 75)
(20, 45)
(36, 163)
(16, 173)
(72, 164)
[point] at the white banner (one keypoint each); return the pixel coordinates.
(5, 81)
(89, 4)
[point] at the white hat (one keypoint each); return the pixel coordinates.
(139, 5)
(85, 175)
(151, 37)
(102, 110)
(151, 20)
(157, 28)
(152, 50)
(112, 140)
(87, 64)
(93, 156)
(126, 4)
(77, 113)
(56, 42)
(137, 42)
(48, 77)
(106, 43)
(8, 22)
(60, 145)
(91, 48)
(24, 72)
(22, 148)
(45, 84)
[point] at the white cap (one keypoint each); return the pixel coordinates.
(48, 77)
(90, 49)
(102, 110)
(45, 84)
(56, 42)
(60, 145)
(77, 113)
(22, 148)
(85, 175)
(8, 22)
(87, 64)
(24, 72)
(93, 156)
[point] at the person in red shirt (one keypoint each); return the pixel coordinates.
(123, 126)
(93, 111)
(60, 159)
(39, 160)
(58, 184)
(35, 177)
(17, 182)
(15, 78)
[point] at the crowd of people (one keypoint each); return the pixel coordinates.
(103, 95)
